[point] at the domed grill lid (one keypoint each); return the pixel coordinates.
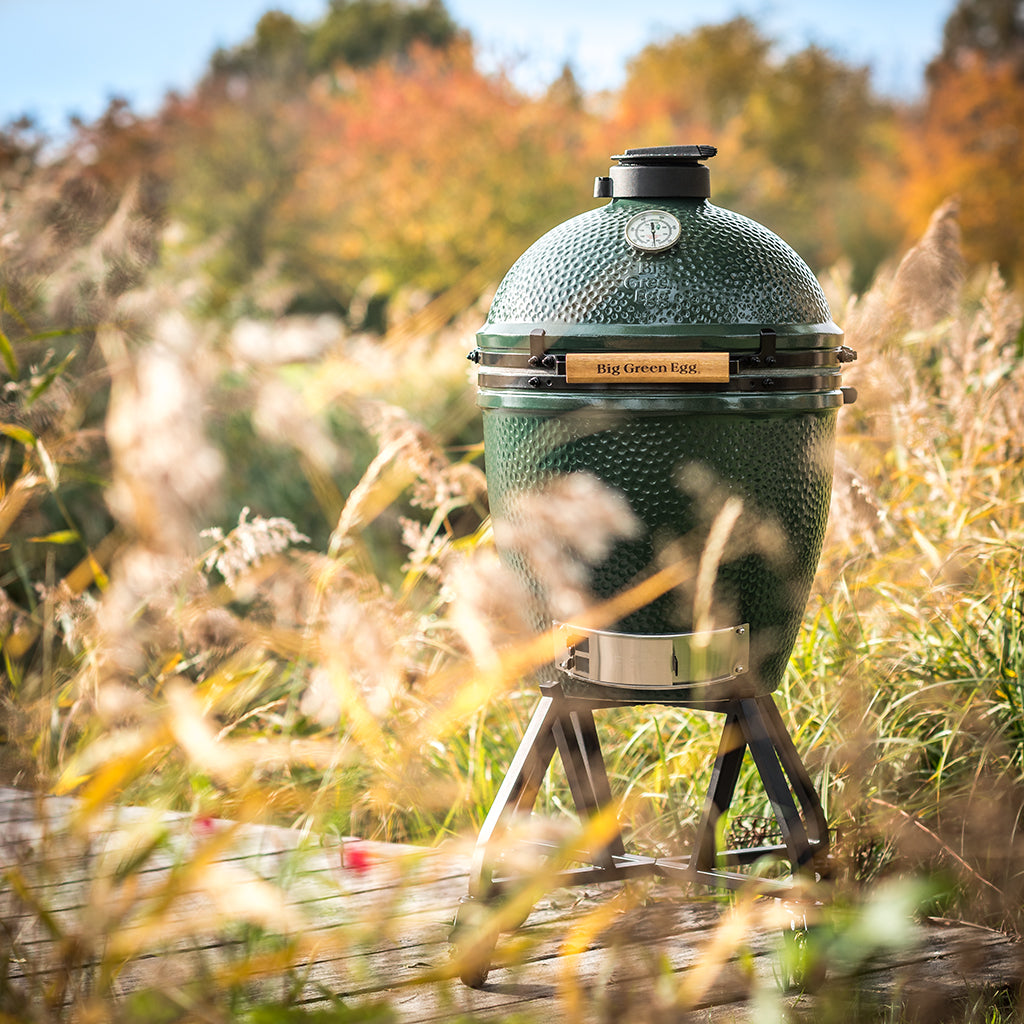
(725, 273)
(612, 297)
(658, 172)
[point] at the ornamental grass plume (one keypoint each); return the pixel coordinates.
(561, 531)
(407, 455)
(922, 290)
(164, 474)
(914, 629)
(253, 540)
(939, 396)
(906, 309)
(489, 604)
(438, 482)
(70, 256)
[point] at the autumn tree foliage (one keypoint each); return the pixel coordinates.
(235, 156)
(368, 154)
(336, 164)
(696, 84)
(418, 174)
(992, 28)
(351, 33)
(358, 33)
(967, 140)
(239, 144)
(803, 140)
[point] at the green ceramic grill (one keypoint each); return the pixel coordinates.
(686, 356)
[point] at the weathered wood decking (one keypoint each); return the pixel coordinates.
(203, 900)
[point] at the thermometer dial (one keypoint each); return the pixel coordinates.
(653, 231)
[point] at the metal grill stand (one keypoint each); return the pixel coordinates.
(566, 724)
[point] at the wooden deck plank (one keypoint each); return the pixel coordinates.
(377, 933)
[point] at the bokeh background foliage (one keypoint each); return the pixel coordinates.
(246, 568)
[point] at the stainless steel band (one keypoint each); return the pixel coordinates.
(775, 382)
(652, 662)
(829, 358)
(778, 371)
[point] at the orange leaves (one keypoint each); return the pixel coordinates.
(416, 171)
(969, 142)
(795, 135)
(423, 170)
(694, 84)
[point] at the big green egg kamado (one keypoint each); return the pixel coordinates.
(683, 354)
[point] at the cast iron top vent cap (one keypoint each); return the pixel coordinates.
(658, 172)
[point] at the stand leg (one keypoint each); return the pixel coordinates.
(473, 936)
(558, 723)
(769, 767)
(755, 724)
(789, 758)
(561, 723)
(518, 790)
(724, 777)
(580, 750)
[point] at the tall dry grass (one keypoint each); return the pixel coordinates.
(239, 672)
(915, 631)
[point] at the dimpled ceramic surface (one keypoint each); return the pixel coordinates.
(676, 456)
(725, 269)
(780, 465)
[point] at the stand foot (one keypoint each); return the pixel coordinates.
(472, 942)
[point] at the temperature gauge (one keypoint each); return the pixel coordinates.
(653, 231)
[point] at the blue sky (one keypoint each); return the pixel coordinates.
(70, 56)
